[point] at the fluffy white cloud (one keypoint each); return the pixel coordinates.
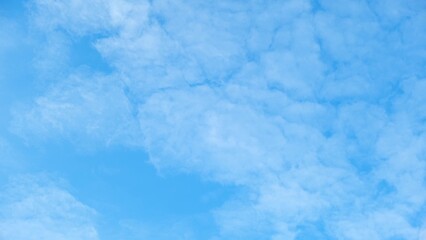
(35, 207)
(315, 111)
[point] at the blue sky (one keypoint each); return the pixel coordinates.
(134, 119)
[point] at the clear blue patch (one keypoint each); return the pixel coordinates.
(84, 54)
(384, 188)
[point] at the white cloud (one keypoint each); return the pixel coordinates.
(35, 207)
(317, 115)
(179, 230)
(50, 15)
(84, 106)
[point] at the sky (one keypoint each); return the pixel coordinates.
(184, 119)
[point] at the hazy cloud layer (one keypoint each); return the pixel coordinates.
(316, 109)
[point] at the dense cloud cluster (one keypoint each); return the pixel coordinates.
(315, 108)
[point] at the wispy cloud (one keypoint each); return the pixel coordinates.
(84, 106)
(35, 207)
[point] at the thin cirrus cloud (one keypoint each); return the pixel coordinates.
(314, 108)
